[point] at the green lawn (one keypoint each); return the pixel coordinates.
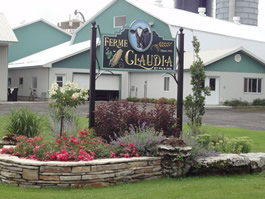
(223, 187)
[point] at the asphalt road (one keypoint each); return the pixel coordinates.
(247, 119)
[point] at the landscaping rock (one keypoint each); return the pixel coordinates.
(257, 161)
(221, 164)
(29, 174)
(175, 158)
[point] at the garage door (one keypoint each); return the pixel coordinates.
(104, 82)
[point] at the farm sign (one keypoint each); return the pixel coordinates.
(137, 49)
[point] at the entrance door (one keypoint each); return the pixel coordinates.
(213, 83)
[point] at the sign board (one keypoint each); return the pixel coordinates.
(138, 49)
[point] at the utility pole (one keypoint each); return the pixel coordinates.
(92, 91)
(180, 78)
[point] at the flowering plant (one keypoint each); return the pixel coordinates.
(67, 97)
(84, 147)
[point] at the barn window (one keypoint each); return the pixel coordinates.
(252, 85)
(119, 21)
(20, 81)
(166, 83)
(60, 80)
(34, 82)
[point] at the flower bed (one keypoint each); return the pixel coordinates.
(69, 148)
(96, 173)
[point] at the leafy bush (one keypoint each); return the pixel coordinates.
(114, 119)
(235, 102)
(259, 102)
(145, 140)
(153, 100)
(224, 144)
(25, 122)
(199, 149)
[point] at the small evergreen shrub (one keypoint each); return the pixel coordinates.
(235, 102)
(259, 102)
(25, 122)
(145, 140)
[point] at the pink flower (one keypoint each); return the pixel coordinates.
(28, 141)
(92, 153)
(81, 152)
(52, 156)
(58, 141)
(131, 144)
(3, 151)
(126, 155)
(121, 144)
(136, 155)
(113, 155)
(39, 138)
(17, 153)
(65, 138)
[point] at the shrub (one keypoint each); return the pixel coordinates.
(25, 122)
(114, 118)
(199, 149)
(259, 102)
(223, 144)
(145, 140)
(236, 102)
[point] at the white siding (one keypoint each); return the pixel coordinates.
(27, 75)
(232, 86)
(3, 73)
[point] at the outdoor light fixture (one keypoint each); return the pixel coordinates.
(77, 12)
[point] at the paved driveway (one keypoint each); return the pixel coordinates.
(248, 119)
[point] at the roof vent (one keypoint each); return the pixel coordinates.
(202, 11)
(236, 20)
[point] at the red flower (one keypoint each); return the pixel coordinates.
(28, 141)
(3, 151)
(52, 156)
(92, 153)
(113, 155)
(126, 155)
(131, 144)
(65, 138)
(58, 141)
(81, 157)
(121, 144)
(81, 152)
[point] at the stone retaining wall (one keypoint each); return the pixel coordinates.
(96, 173)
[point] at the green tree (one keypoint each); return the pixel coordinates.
(194, 103)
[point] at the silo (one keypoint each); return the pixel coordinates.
(193, 5)
(247, 10)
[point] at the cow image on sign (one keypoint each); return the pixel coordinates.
(140, 35)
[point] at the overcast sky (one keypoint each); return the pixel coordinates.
(54, 11)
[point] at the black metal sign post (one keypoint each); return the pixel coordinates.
(92, 92)
(180, 77)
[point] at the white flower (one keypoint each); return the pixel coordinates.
(74, 96)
